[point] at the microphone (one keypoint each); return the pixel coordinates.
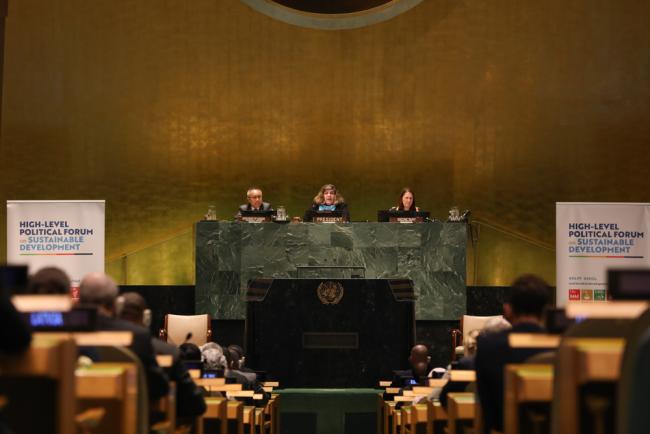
(465, 215)
(187, 337)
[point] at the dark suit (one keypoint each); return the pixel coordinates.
(247, 207)
(493, 353)
(15, 336)
(142, 347)
(14, 333)
(249, 382)
(342, 207)
(403, 380)
(189, 399)
(464, 364)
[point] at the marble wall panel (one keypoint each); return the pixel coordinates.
(432, 255)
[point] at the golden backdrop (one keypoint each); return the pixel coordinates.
(165, 107)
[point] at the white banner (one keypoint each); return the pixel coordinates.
(594, 237)
(68, 234)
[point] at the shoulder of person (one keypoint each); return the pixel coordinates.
(266, 206)
(162, 347)
(243, 207)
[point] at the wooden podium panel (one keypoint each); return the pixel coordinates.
(329, 333)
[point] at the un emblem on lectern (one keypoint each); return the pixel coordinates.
(330, 292)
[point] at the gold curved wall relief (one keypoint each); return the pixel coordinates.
(165, 108)
(332, 14)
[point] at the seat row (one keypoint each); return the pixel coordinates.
(590, 382)
(44, 391)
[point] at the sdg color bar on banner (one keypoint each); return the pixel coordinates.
(594, 237)
(68, 234)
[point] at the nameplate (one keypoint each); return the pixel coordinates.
(323, 219)
(406, 220)
(256, 219)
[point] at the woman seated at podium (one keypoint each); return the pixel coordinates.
(328, 199)
(406, 201)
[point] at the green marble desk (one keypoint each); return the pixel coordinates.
(328, 411)
(432, 255)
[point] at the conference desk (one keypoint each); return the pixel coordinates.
(230, 254)
(112, 386)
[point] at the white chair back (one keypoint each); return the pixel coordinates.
(179, 326)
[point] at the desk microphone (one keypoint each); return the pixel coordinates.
(188, 337)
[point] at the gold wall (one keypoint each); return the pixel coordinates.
(163, 107)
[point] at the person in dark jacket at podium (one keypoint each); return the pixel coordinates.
(406, 201)
(256, 202)
(328, 199)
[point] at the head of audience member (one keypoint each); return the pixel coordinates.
(213, 356)
(406, 200)
(100, 291)
(238, 354)
(528, 299)
(254, 197)
(49, 281)
(492, 325)
(328, 195)
(420, 360)
(190, 352)
(131, 306)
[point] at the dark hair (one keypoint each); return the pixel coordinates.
(49, 280)
(400, 204)
(232, 357)
(131, 306)
(529, 295)
(189, 351)
(239, 350)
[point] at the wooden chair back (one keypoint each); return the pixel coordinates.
(39, 386)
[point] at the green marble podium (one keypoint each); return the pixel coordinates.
(432, 255)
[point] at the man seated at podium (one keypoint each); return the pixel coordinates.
(255, 202)
(328, 199)
(406, 201)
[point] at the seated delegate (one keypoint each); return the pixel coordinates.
(406, 201)
(256, 202)
(328, 199)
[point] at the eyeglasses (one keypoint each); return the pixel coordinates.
(255, 197)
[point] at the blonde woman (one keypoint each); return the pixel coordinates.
(328, 199)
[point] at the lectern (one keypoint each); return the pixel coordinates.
(329, 332)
